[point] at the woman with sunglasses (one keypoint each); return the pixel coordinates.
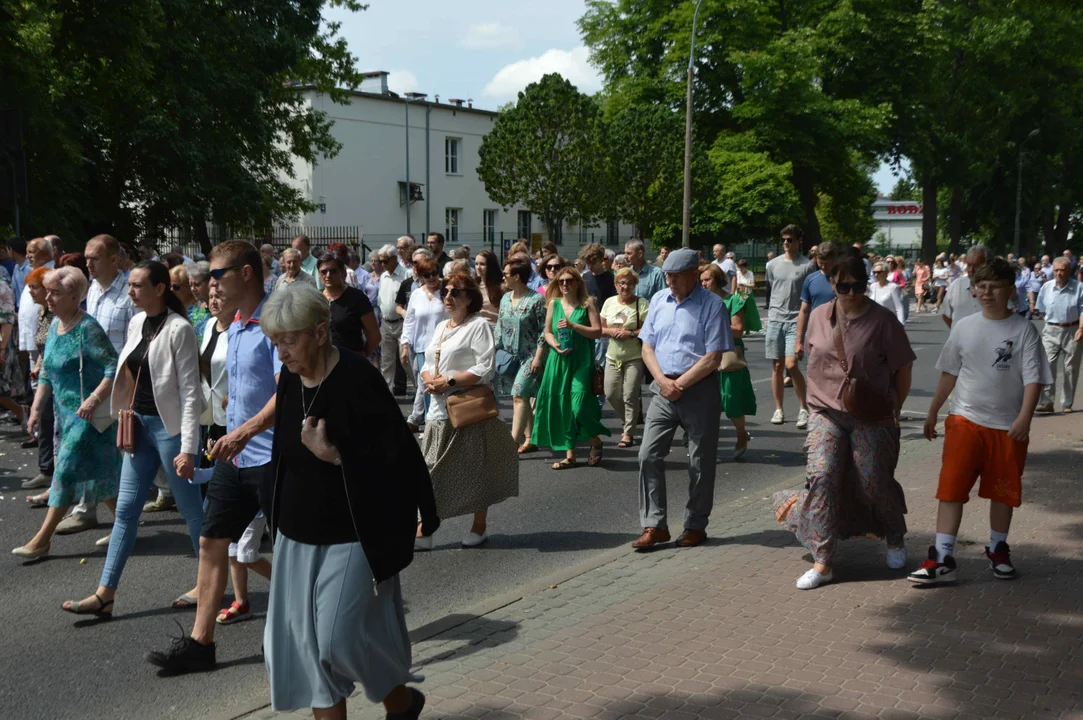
(424, 311)
(353, 322)
(551, 265)
(520, 332)
(886, 293)
(472, 467)
(850, 488)
(567, 411)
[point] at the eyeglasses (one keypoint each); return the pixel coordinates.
(625, 283)
(992, 287)
(175, 287)
(453, 292)
(221, 272)
(846, 288)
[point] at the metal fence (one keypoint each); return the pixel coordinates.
(279, 237)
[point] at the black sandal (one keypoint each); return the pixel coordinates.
(75, 608)
(626, 443)
(595, 455)
(565, 464)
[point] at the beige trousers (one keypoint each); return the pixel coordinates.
(623, 385)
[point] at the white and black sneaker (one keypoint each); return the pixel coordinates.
(933, 571)
(1000, 561)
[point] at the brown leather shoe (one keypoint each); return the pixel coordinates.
(651, 537)
(691, 538)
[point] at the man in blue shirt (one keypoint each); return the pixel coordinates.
(815, 291)
(242, 456)
(651, 279)
(684, 335)
(1061, 302)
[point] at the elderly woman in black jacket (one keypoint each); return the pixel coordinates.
(347, 485)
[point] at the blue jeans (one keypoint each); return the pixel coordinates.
(154, 448)
(421, 398)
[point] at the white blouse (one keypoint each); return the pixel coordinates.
(422, 317)
(469, 348)
(746, 278)
(888, 296)
(217, 389)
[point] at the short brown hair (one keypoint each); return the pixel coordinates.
(303, 238)
(239, 252)
(424, 266)
(592, 253)
(716, 276)
(112, 247)
(470, 286)
(996, 270)
(519, 247)
(519, 268)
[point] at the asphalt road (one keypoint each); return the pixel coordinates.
(55, 665)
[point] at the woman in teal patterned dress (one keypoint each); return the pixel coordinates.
(567, 410)
(520, 331)
(88, 462)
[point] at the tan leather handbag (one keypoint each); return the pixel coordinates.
(733, 360)
(860, 399)
(471, 405)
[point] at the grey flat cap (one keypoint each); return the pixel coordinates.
(681, 260)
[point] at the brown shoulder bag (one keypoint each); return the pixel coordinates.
(860, 399)
(470, 406)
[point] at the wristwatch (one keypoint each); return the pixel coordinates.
(451, 382)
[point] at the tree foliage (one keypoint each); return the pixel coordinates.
(544, 153)
(148, 114)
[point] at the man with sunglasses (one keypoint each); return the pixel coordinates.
(242, 457)
(786, 274)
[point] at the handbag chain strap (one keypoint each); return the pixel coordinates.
(840, 346)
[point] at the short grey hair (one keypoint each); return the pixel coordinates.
(635, 244)
(719, 246)
(407, 238)
(461, 265)
(424, 252)
(291, 251)
(298, 307)
(976, 250)
(1061, 260)
(199, 272)
(388, 250)
(609, 255)
(461, 253)
(69, 279)
(267, 247)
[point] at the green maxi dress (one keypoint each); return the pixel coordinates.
(566, 411)
(738, 396)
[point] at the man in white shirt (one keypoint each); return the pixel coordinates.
(107, 302)
(727, 263)
(1061, 304)
(960, 301)
(391, 280)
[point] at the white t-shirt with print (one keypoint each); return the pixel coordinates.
(993, 361)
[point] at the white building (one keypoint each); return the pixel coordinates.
(366, 183)
(899, 221)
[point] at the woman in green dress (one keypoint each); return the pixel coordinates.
(567, 410)
(520, 332)
(738, 396)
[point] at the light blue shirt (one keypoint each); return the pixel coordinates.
(18, 279)
(682, 333)
(112, 308)
(536, 282)
(1061, 305)
(1025, 283)
(252, 363)
(651, 281)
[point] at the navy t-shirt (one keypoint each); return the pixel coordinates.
(817, 290)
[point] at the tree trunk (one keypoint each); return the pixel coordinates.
(199, 229)
(806, 192)
(1060, 234)
(928, 222)
(956, 220)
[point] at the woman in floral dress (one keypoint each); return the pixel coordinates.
(520, 332)
(12, 378)
(88, 462)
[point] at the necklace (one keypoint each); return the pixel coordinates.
(305, 409)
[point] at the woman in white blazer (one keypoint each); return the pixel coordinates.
(158, 378)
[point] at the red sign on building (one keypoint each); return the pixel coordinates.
(904, 209)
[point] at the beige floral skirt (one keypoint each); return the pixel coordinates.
(472, 468)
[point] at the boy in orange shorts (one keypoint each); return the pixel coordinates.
(996, 365)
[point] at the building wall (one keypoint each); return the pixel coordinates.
(360, 186)
(899, 220)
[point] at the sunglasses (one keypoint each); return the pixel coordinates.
(552, 267)
(453, 292)
(846, 288)
(429, 276)
(175, 288)
(221, 272)
(566, 281)
(328, 271)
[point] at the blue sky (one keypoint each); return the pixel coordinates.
(484, 50)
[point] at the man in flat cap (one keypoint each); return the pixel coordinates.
(684, 335)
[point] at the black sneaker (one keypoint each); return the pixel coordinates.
(184, 655)
(934, 572)
(415, 710)
(1000, 561)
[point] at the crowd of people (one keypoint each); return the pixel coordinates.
(200, 381)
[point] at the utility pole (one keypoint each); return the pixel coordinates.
(687, 226)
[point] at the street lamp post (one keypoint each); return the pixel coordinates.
(687, 226)
(1019, 190)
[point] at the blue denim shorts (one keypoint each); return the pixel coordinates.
(781, 340)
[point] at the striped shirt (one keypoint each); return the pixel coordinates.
(112, 308)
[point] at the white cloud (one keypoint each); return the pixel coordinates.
(573, 65)
(401, 81)
(491, 36)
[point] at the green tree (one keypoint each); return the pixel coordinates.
(169, 113)
(544, 153)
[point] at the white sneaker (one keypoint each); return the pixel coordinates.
(474, 540)
(103, 542)
(802, 419)
(813, 579)
(778, 418)
(896, 558)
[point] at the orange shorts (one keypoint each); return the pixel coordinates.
(970, 451)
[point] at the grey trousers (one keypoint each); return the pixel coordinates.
(1060, 345)
(390, 366)
(699, 412)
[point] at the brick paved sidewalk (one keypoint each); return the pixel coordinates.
(720, 631)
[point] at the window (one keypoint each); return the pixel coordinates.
(612, 232)
(451, 223)
(451, 155)
(488, 226)
(522, 227)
